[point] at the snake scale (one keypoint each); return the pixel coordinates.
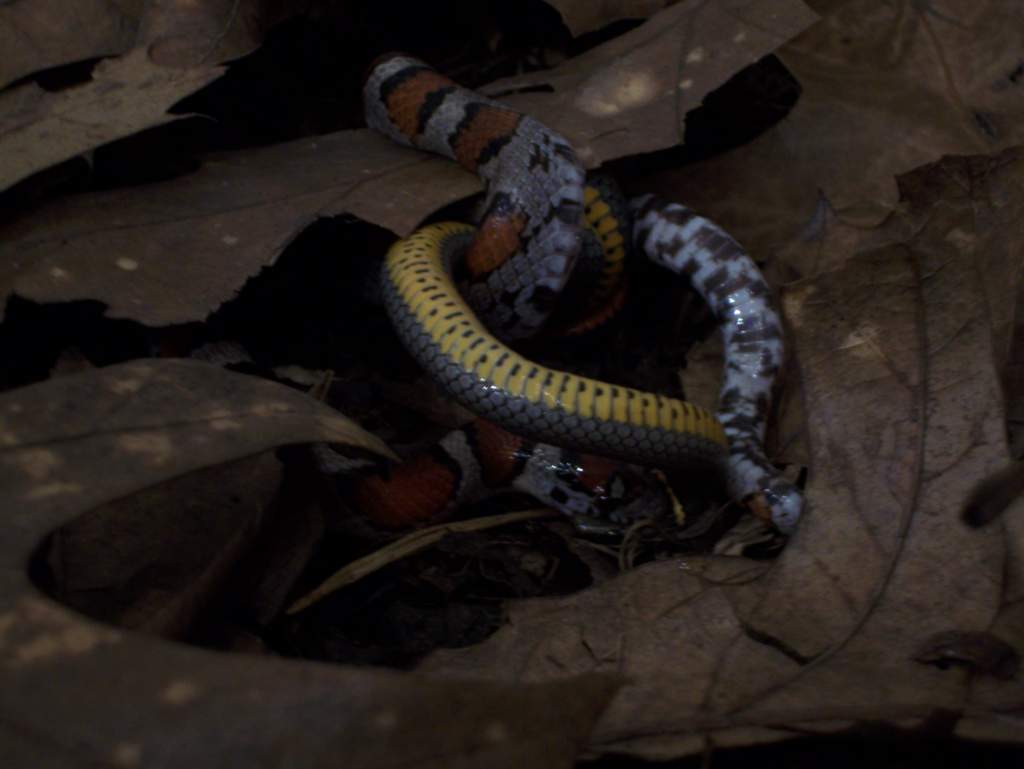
(539, 427)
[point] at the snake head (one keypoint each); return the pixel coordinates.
(597, 493)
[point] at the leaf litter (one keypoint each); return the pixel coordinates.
(168, 51)
(902, 312)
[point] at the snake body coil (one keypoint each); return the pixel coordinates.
(520, 258)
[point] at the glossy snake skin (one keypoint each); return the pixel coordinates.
(512, 268)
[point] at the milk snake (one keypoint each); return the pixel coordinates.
(539, 428)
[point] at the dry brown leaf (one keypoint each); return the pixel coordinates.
(887, 87)
(40, 34)
(582, 16)
(173, 252)
(176, 48)
(904, 417)
(78, 693)
(630, 95)
(155, 560)
(146, 421)
(190, 34)
(126, 95)
(281, 553)
(985, 196)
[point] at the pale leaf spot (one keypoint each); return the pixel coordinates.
(65, 636)
(962, 239)
(124, 386)
(59, 488)
(157, 446)
(225, 424)
(862, 342)
(126, 264)
(127, 754)
(270, 408)
(496, 732)
(180, 692)
(622, 91)
(38, 464)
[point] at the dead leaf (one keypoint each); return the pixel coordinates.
(582, 16)
(904, 416)
(148, 421)
(887, 87)
(40, 34)
(663, 627)
(984, 196)
(190, 34)
(155, 560)
(173, 52)
(631, 94)
(125, 96)
(174, 252)
(77, 692)
(287, 542)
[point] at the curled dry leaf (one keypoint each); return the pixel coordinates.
(175, 49)
(174, 252)
(215, 228)
(190, 34)
(886, 88)
(126, 95)
(72, 443)
(77, 692)
(41, 34)
(904, 416)
(158, 559)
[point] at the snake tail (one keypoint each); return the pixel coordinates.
(728, 280)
